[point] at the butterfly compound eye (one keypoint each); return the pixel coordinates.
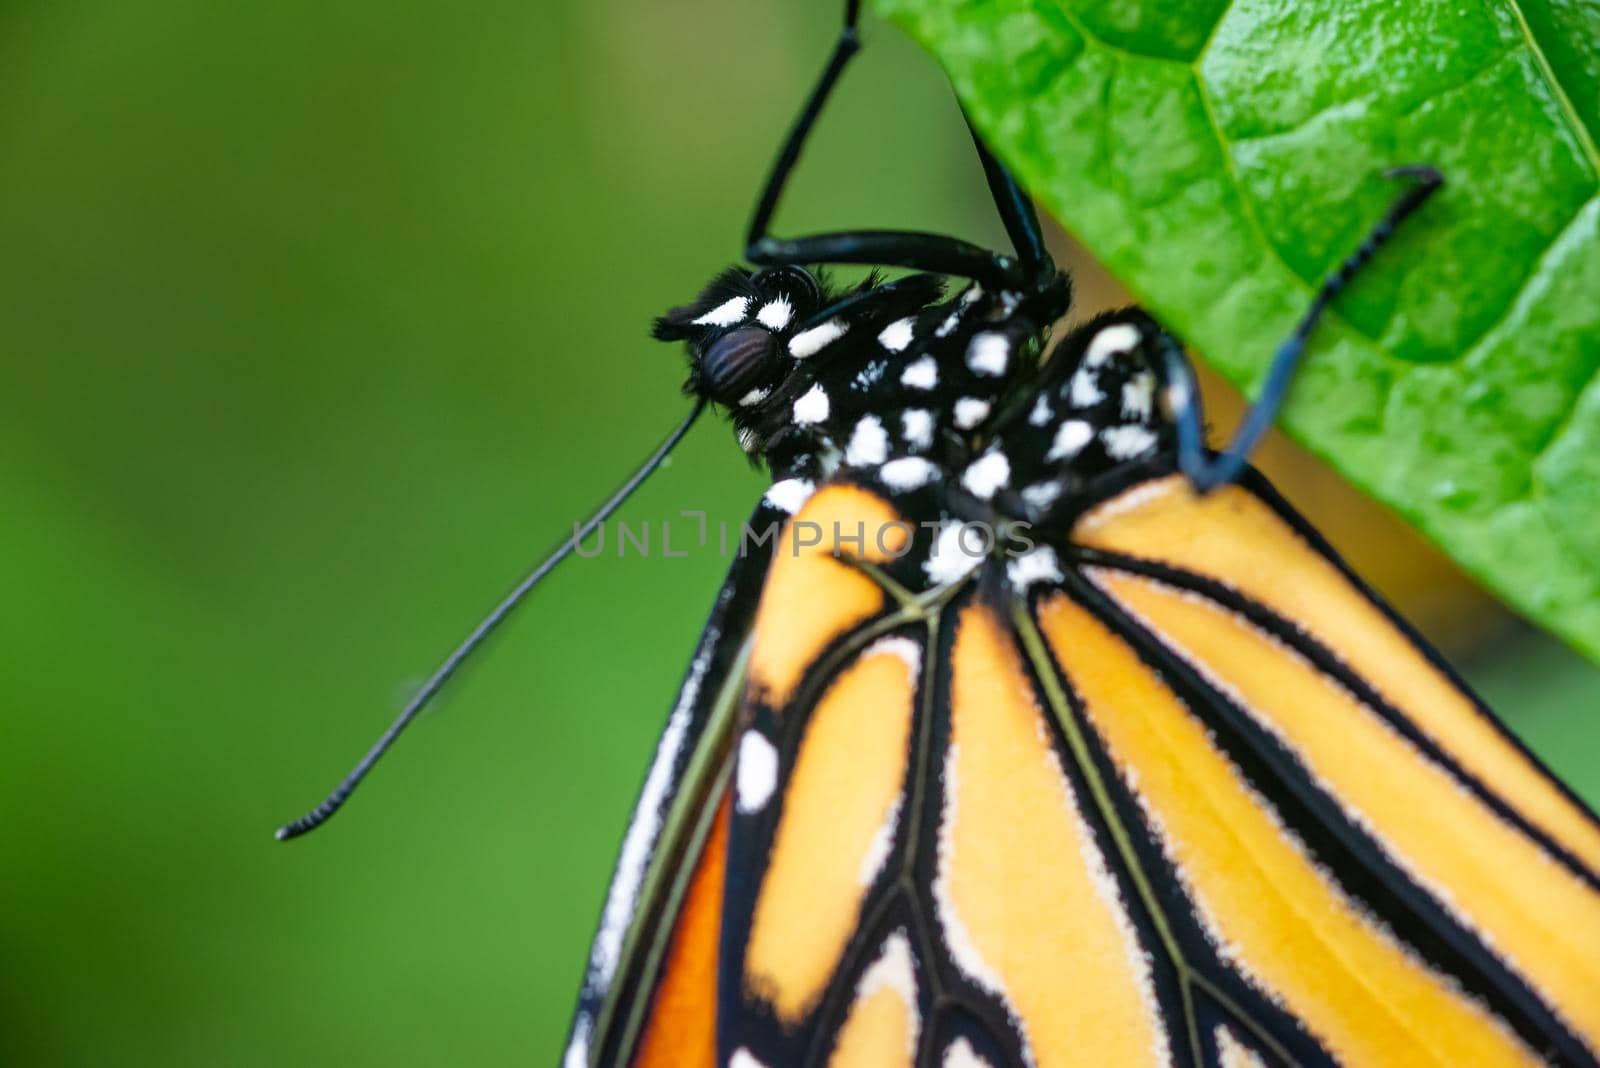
(737, 363)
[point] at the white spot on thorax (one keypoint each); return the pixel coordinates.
(970, 411)
(869, 375)
(812, 407)
(1115, 339)
(907, 473)
(1071, 437)
(923, 374)
(748, 439)
(1041, 413)
(1041, 495)
(1126, 442)
(988, 353)
(1032, 567)
(775, 314)
(757, 775)
(1137, 395)
(743, 1058)
(789, 494)
(917, 426)
(987, 474)
(897, 335)
(869, 443)
(810, 342)
(956, 552)
(725, 314)
(754, 397)
(1086, 389)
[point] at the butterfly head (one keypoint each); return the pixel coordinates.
(737, 332)
(790, 357)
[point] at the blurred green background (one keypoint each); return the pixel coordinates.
(318, 322)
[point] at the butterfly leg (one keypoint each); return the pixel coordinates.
(888, 248)
(1208, 472)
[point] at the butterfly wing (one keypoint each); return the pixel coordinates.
(649, 990)
(1375, 852)
(1170, 788)
(1185, 792)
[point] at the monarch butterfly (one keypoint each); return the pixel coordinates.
(1042, 735)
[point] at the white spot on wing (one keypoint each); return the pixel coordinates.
(988, 353)
(640, 841)
(894, 969)
(1233, 1053)
(1129, 501)
(775, 314)
(987, 475)
(970, 411)
(789, 494)
(1126, 442)
(743, 1058)
(810, 342)
(812, 407)
(869, 443)
(960, 1054)
(577, 1055)
(907, 473)
(727, 313)
(903, 647)
(917, 426)
(923, 374)
(956, 936)
(757, 775)
(882, 842)
(1071, 437)
(1120, 337)
(897, 335)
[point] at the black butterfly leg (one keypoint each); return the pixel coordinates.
(1208, 472)
(889, 248)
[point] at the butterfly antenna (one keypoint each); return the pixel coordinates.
(323, 812)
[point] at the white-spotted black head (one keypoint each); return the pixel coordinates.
(779, 349)
(737, 331)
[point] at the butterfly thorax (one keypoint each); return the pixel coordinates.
(898, 385)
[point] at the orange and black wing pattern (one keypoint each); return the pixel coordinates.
(1150, 779)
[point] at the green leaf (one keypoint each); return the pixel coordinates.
(1220, 157)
